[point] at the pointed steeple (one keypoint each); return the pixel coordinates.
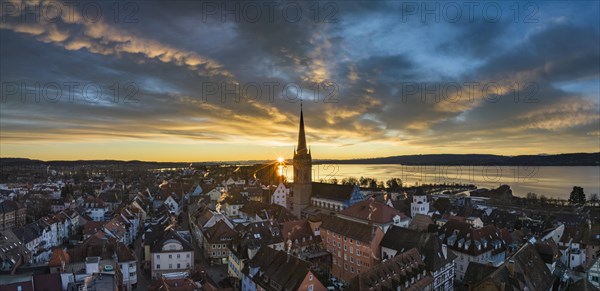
(301, 136)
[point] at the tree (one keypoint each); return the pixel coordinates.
(350, 181)
(577, 196)
(532, 197)
(372, 183)
(594, 199)
(543, 199)
(394, 184)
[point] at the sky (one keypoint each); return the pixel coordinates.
(221, 81)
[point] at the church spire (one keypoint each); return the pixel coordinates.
(301, 136)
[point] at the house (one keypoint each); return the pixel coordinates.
(12, 214)
(216, 242)
(419, 204)
(13, 252)
(280, 195)
(271, 269)
(213, 196)
(111, 198)
(205, 218)
(174, 203)
(354, 246)
(171, 253)
(482, 245)
(230, 203)
(31, 236)
(255, 193)
(524, 270)
(439, 262)
(592, 242)
(267, 233)
(420, 222)
(593, 272)
(335, 197)
(249, 239)
(405, 271)
(300, 239)
(255, 211)
(97, 255)
(571, 246)
(95, 208)
(376, 213)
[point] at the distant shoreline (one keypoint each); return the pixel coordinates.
(572, 159)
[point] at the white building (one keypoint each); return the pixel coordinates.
(280, 195)
(171, 253)
(419, 205)
(593, 273)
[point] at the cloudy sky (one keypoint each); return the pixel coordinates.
(200, 81)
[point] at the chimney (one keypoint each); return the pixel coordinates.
(445, 250)
(511, 267)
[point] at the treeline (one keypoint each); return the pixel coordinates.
(574, 159)
(577, 197)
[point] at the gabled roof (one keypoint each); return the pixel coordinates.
(171, 234)
(298, 230)
(356, 230)
(462, 237)
(476, 272)
(219, 233)
(278, 266)
(266, 232)
(372, 210)
(524, 269)
(420, 222)
(59, 257)
(428, 244)
(9, 206)
(332, 191)
(394, 274)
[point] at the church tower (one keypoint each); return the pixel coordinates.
(302, 187)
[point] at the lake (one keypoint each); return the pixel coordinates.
(550, 181)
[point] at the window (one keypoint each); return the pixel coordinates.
(187, 256)
(310, 287)
(352, 259)
(157, 266)
(310, 277)
(187, 265)
(170, 256)
(170, 266)
(158, 257)
(178, 266)
(351, 249)
(213, 253)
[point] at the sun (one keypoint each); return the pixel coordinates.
(280, 159)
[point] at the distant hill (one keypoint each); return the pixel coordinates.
(575, 159)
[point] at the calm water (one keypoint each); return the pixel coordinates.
(550, 181)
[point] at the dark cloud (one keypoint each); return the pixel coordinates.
(174, 50)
